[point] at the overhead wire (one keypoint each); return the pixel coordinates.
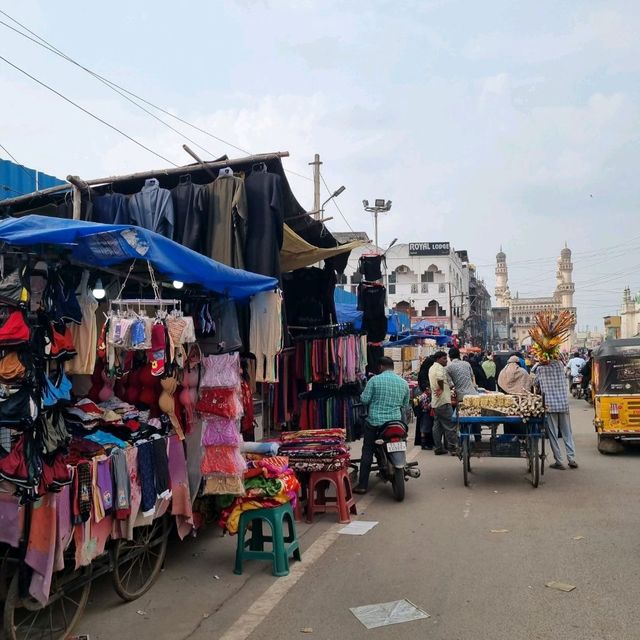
(19, 164)
(326, 186)
(123, 90)
(89, 113)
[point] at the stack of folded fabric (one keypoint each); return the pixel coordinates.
(268, 482)
(315, 449)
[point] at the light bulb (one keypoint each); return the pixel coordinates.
(98, 290)
(177, 284)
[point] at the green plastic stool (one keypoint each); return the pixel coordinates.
(282, 547)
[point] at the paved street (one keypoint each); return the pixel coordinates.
(437, 550)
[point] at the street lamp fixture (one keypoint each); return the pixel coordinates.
(335, 194)
(379, 206)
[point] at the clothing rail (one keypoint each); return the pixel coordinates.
(150, 302)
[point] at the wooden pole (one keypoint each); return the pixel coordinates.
(216, 164)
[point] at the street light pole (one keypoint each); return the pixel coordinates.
(379, 206)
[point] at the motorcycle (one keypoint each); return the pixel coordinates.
(576, 386)
(391, 454)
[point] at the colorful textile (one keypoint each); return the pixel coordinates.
(222, 485)
(221, 402)
(222, 460)
(218, 430)
(181, 498)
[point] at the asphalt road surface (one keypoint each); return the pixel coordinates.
(436, 549)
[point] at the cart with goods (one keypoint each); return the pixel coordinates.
(522, 421)
(134, 565)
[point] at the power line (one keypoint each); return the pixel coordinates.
(22, 167)
(89, 113)
(326, 186)
(107, 83)
(122, 91)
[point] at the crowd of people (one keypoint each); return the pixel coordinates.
(446, 378)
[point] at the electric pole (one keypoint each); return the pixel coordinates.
(316, 185)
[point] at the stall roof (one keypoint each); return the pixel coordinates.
(312, 231)
(296, 252)
(105, 245)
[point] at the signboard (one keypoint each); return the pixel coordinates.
(429, 248)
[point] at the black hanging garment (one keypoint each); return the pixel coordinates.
(308, 296)
(111, 208)
(189, 214)
(371, 267)
(264, 223)
(371, 299)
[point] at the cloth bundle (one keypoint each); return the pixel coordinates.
(315, 449)
(220, 406)
(268, 482)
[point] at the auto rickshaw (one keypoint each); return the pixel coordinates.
(616, 393)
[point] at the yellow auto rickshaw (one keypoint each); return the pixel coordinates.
(616, 393)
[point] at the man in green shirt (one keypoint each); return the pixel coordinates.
(489, 368)
(386, 395)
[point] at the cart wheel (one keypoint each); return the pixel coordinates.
(534, 461)
(543, 456)
(27, 619)
(137, 562)
(466, 461)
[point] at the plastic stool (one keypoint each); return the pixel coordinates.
(318, 502)
(282, 547)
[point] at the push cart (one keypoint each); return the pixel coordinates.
(133, 564)
(521, 439)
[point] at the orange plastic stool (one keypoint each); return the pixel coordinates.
(318, 502)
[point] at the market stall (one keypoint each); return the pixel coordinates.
(115, 413)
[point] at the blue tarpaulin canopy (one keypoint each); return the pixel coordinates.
(105, 245)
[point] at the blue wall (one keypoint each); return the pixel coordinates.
(16, 180)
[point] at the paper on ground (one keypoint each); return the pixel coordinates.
(358, 527)
(499, 530)
(373, 616)
(560, 586)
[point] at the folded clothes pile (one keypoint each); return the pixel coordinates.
(268, 482)
(315, 449)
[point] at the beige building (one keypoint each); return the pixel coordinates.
(630, 316)
(522, 311)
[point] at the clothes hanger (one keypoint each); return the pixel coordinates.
(186, 179)
(225, 172)
(259, 167)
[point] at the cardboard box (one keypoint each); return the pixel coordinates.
(395, 353)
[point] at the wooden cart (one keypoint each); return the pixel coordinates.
(521, 439)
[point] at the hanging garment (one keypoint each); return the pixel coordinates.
(371, 300)
(370, 267)
(265, 337)
(308, 296)
(264, 223)
(111, 208)
(189, 214)
(225, 327)
(15, 330)
(152, 208)
(221, 371)
(85, 335)
(226, 212)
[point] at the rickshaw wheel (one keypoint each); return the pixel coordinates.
(26, 619)
(609, 446)
(466, 461)
(137, 563)
(534, 461)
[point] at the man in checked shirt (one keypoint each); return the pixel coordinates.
(386, 395)
(551, 380)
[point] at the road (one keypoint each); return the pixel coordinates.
(437, 550)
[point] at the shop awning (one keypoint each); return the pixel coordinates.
(297, 252)
(106, 245)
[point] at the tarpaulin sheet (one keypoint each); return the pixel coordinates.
(297, 253)
(105, 245)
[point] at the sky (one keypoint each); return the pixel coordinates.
(487, 124)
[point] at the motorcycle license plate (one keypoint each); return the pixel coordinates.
(396, 446)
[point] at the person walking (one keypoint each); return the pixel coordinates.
(425, 416)
(550, 378)
(489, 368)
(387, 396)
(461, 374)
(513, 378)
(443, 426)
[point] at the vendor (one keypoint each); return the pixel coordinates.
(513, 378)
